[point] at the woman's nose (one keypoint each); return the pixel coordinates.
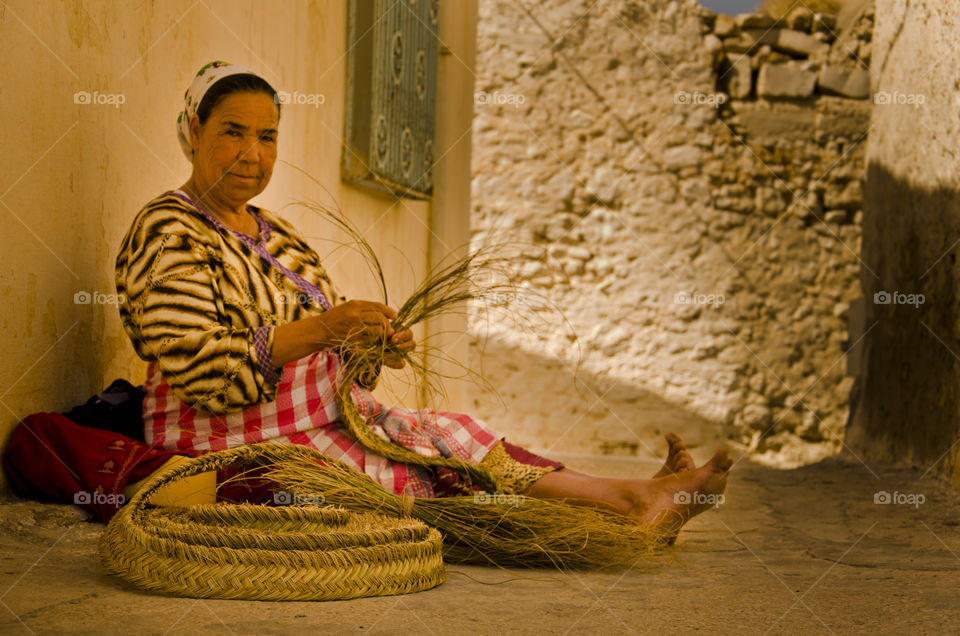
(250, 151)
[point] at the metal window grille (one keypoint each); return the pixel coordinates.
(391, 95)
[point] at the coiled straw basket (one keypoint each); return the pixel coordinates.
(262, 552)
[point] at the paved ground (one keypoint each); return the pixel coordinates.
(804, 550)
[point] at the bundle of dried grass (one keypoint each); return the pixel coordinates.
(480, 274)
(498, 529)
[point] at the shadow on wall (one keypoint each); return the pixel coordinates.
(546, 404)
(904, 406)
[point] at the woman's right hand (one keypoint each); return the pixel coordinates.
(356, 322)
(359, 322)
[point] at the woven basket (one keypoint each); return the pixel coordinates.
(266, 553)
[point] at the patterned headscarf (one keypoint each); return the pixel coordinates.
(205, 78)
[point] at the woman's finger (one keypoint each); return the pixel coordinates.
(387, 311)
(380, 309)
(371, 317)
(406, 345)
(368, 318)
(385, 329)
(402, 336)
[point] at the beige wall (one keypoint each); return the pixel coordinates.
(72, 176)
(450, 212)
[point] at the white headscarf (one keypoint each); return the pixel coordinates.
(205, 78)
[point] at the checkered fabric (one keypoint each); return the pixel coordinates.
(306, 412)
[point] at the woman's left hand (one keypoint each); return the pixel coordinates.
(404, 342)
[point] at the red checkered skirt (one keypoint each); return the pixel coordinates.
(305, 411)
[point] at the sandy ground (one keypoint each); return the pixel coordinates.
(804, 550)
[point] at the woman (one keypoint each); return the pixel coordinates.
(242, 329)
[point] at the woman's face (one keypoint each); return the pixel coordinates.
(234, 151)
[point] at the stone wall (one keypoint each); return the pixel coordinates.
(907, 398)
(687, 188)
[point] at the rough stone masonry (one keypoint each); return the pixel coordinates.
(687, 188)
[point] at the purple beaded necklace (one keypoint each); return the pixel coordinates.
(260, 247)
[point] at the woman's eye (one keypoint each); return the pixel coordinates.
(268, 138)
(235, 133)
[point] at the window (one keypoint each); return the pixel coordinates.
(391, 95)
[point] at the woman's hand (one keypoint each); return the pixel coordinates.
(357, 322)
(402, 342)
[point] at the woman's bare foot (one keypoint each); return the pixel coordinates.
(662, 504)
(666, 503)
(678, 459)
